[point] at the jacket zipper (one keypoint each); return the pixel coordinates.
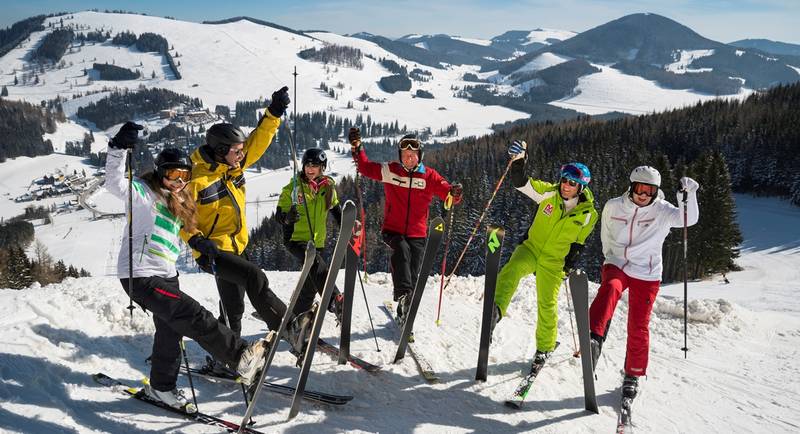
(408, 208)
(144, 244)
(238, 215)
(630, 237)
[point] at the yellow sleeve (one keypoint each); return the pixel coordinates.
(259, 140)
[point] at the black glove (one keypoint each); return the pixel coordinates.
(354, 136)
(572, 257)
(204, 246)
(292, 217)
(126, 136)
(280, 102)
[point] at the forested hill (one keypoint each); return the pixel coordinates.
(726, 145)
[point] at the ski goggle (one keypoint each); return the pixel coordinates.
(648, 190)
(412, 144)
(177, 173)
(571, 182)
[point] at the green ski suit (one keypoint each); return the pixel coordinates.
(549, 239)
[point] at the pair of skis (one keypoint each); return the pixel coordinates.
(436, 230)
(580, 297)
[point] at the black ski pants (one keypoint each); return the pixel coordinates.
(236, 276)
(315, 283)
(406, 261)
(175, 315)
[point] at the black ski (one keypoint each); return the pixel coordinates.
(423, 365)
(281, 389)
(350, 269)
(139, 394)
(435, 234)
(521, 392)
(336, 353)
(342, 245)
(494, 244)
(579, 286)
(274, 336)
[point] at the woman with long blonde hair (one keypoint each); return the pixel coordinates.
(159, 208)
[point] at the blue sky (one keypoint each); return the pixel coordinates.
(721, 20)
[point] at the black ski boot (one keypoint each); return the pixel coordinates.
(596, 345)
(336, 307)
(630, 386)
(298, 331)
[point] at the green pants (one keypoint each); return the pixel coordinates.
(548, 282)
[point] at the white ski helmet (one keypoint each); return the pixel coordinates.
(646, 175)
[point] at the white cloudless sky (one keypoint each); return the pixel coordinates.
(721, 20)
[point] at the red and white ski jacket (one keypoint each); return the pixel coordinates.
(633, 236)
(408, 195)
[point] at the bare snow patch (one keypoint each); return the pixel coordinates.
(684, 59)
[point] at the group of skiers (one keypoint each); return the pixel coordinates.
(202, 201)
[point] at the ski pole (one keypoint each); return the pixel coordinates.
(362, 214)
(369, 314)
(577, 352)
(130, 234)
(189, 373)
(685, 273)
(478, 223)
(448, 206)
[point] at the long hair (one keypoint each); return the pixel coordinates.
(180, 204)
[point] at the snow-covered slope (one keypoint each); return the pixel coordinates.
(223, 63)
(740, 376)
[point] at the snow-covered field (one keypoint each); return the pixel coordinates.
(741, 374)
(611, 90)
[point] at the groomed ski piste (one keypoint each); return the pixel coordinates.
(741, 374)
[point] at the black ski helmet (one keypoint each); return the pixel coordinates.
(410, 140)
(171, 158)
(315, 156)
(221, 136)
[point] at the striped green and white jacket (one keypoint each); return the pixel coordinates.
(156, 244)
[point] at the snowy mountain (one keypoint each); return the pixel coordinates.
(739, 376)
(768, 46)
(659, 49)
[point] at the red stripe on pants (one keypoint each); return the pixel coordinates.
(640, 304)
(165, 293)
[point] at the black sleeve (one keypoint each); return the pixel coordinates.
(336, 212)
(518, 178)
(571, 259)
(280, 216)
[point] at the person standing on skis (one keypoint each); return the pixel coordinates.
(408, 188)
(303, 209)
(634, 227)
(221, 234)
(565, 217)
(160, 207)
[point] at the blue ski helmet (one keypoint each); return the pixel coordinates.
(577, 172)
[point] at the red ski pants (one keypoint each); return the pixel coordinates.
(640, 304)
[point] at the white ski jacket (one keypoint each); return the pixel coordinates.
(156, 244)
(633, 236)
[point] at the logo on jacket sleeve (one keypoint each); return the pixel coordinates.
(548, 209)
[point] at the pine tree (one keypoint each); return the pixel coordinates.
(4, 92)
